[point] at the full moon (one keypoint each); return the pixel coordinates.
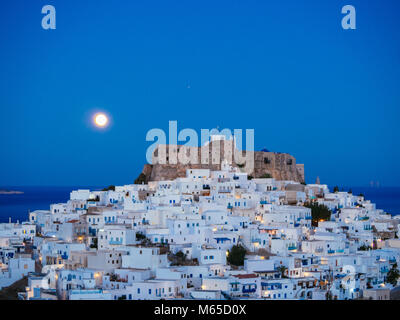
(101, 120)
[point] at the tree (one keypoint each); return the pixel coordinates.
(266, 176)
(318, 212)
(140, 236)
(282, 270)
(236, 255)
(335, 189)
(249, 177)
(180, 259)
(393, 275)
(364, 248)
(180, 255)
(109, 188)
(350, 191)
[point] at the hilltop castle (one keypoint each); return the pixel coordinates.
(281, 166)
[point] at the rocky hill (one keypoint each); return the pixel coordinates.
(281, 166)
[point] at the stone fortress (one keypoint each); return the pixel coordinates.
(281, 166)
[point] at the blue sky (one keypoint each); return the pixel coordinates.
(287, 69)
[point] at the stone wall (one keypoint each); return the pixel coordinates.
(281, 166)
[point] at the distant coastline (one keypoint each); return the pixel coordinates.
(10, 192)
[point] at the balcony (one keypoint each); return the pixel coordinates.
(330, 251)
(249, 290)
(290, 248)
(115, 242)
(263, 202)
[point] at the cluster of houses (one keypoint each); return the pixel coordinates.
(177, 240)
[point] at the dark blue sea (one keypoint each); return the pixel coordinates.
(386, 198)
(17, 206)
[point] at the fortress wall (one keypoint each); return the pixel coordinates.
(281, 166)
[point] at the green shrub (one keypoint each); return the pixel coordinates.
(236, 255)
